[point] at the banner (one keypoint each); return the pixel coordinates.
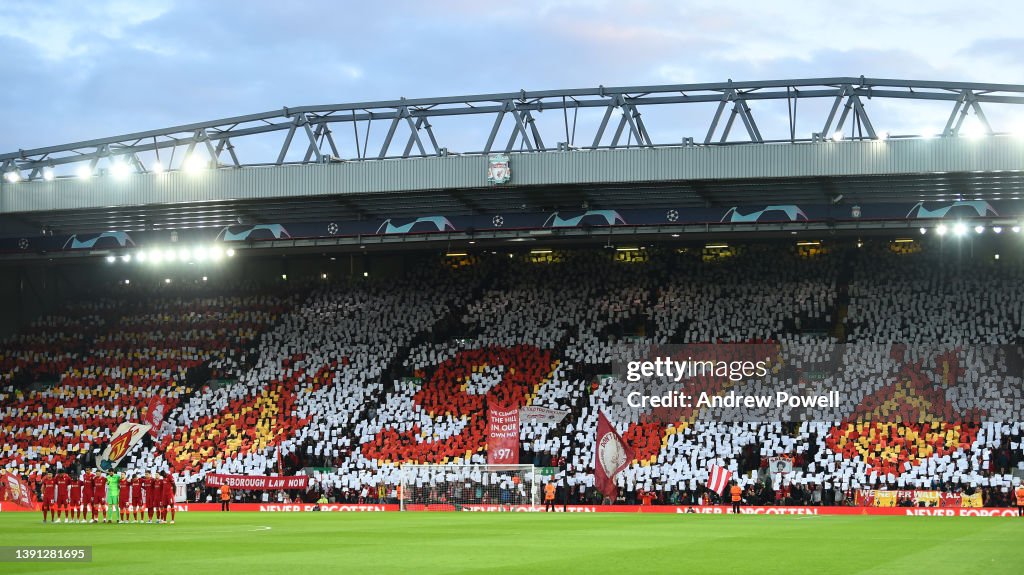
(14, 489)
(916, 497)
(886, 499)
(781, 469)
(611, 455)
(928, 499)
(503, 436)
(121, 442)
(972, 501)
(156, 412)
(675, 509)
(257, 482)
(541, 414)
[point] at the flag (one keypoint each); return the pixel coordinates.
(503, 436)
(718, 479)
(156, 412)
(16, 490)
(611, 455)
(121, 442)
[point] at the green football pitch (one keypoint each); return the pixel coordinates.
(256, 543)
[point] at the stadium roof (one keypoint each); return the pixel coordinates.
(388, 159)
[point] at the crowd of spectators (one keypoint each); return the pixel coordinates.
(349, 381)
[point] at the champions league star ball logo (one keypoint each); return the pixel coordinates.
(332, 228)
(498, 221)
(23, 243)
(672, 215)
(610, 454)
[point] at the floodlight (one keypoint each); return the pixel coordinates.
(119, 169)
(194, 163)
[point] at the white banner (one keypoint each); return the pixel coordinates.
(781, 469)
(541, 414)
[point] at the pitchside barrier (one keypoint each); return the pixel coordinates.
(7, 506)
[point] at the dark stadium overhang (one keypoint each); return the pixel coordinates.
(843, 190)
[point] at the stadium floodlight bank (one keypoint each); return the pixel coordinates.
(458, 487)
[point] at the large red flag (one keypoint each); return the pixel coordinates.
(503, 436)
(611, 455)
(16, 490)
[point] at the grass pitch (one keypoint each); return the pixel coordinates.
(257, 543)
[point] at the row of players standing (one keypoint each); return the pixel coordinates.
(112, 497)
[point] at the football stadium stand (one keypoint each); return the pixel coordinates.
(348, 380)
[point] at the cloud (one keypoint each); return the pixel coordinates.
(69, 29)
(93, 69)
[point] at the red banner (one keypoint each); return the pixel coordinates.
(503, 436)
(156, 412)
(257, 482)
(14, 489)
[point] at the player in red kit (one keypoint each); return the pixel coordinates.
(63, 482)
(169, 488)
(87, 497)
(136, 503)
(161, 498)
(148, 496)
(123, 497)
(74, 499)
(99, 495)
(49, 497)
(160, 503)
